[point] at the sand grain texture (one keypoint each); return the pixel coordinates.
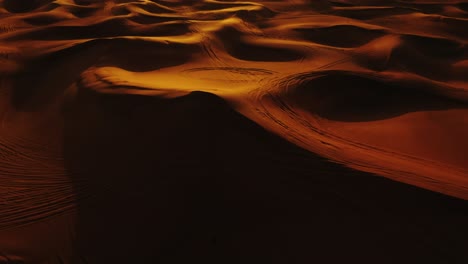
(233, 131)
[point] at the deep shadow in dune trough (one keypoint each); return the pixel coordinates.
(225, 132)
(190, 179)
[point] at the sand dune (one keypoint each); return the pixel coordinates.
(164, 131)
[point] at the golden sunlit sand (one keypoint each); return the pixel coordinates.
(164, 131)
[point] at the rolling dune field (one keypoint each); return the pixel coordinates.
(223, 131)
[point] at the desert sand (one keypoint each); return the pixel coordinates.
(167, 131)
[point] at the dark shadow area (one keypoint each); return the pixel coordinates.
(353, 98)
(191, 180)
(47, 77)
(425, 56)
(440, 48)
(371, 12)
(463, 6)
(140, 55)
(110, 28)
(149, 19)
(21, 6)
(430, 57)
(42, 19)
(340, 36)
(252, 52)
(238, 47)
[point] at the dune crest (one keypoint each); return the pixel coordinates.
(156, 110)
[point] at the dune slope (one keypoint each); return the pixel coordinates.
(161, 131)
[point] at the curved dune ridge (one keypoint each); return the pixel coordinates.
(139, 120)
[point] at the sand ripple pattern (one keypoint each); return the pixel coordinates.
(302, 69)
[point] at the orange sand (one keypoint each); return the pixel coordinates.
(179, 131)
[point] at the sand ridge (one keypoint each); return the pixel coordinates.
(104, 104)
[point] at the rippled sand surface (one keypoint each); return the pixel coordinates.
(233, 132)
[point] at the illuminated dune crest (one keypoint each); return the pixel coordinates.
(131, 110)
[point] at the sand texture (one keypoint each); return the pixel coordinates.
(209, 131)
